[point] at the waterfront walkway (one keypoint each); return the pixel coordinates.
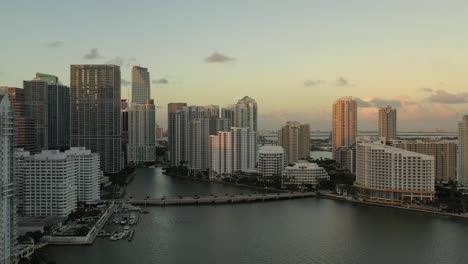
(227, 199)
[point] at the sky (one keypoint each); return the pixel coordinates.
(293, 57)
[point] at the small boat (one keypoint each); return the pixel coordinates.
(126, 228)
(144, 211)
(123, 222)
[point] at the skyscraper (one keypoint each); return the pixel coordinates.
(228, 113)
(24, 126)
(95, 112)
(7, 201)
(245, 114)
(58, 116)
(344, 123)
(124, 128)
(175, 134)
(462, 171)
(141, 119)
(294, 137)
(388, 122)
(37, 98)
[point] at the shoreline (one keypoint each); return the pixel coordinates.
(343, 198)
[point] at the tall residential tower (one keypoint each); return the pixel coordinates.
(344, 123)
(388, 122)
(462, 171)
(294, 137)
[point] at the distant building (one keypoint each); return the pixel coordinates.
(344, 123)
(175, 133)
(37, 98)
(462, 171)
(124, 128)
(388, 122)
(95, 112)
(391, 175)
(346, 158)
(304, 174)
(444, 153)
(245, 114)
(228, 113)
(271, 161)
(159, 132)
(141, 135)
(58, 116)
(233, 151)
(48, 78)
(294, 137)
(7, 184)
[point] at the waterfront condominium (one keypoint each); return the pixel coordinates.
(24, 126)
(245, 113)
(303, 174)
(37, 99)
(141, 119)
(344, 123)
(232, 151)
(391, 175)
(443, 151)
(95, 112)
(175, 135)
(7, 200)
(388, 122)
(271, 161)
(462, 171)
(294, 137)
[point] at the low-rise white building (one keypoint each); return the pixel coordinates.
(303, 173)
(392, 175)
(271, 161)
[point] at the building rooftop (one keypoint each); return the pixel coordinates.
(271, 150)
(303, 164)
(395, 150)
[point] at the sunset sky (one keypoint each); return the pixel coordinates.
(293, 57)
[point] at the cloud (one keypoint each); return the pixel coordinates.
(124, 82)
(92, 55)
(444, 97)
(217, 57)
(55, 44)
(161, 81)
(313, 83)
(378, 102)
(427, 89)
(122, 61)
(342, 82)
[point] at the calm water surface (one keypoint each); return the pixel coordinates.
(295, 231)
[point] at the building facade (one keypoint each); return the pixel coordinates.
(346, 158)
(294, 137)
(462, 171)
(391, 175)
(37, 98)
(245, 114)
(175, 134)
(7, 184)
(58, 116)
(95, 112)
(271, 161)
(388, 122)
(303, 174)
(141, 134)
(344, 123)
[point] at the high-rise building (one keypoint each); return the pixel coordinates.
(271, 161)
(48, 78)
(124, 128)
(159, 132)
(24, 126)
(228, 113)
(7, 186)
(199, 132)
(141, 90)
(245, 114)
(95, 112)
(344, 123)
(58, 116)
(233, 151)
(345, 158)
(176, 136)
(444, 153)
(141, 119)
(141, 133)
(388, 122)
(391, 175)
(462, 171)
(37, 98)
(294, 137)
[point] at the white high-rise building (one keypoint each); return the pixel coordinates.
(304, 174)
(462, 171)
(271, 161)
(232, 151)
(388, 122)
(199, 137)
(141, 119)
(245, 114)
(392, 175)
(88, 174)
(344, 123)
(7, 184)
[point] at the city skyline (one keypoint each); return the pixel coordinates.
(306, 57)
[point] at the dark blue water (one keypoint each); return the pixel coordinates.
(295, 231)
